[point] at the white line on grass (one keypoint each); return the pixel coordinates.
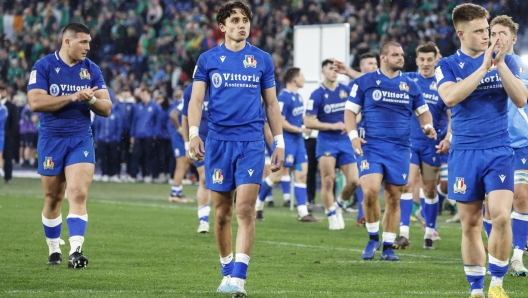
(356, 250)
(258, 292)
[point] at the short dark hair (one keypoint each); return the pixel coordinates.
(385, 47)
(428, 47)
(227, 9)
(76, 28)
(367, 55)
(326, 62)
(290, 74)
(468, 12)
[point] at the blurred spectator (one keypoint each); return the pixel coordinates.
(11, 132)
(125, 105)
(28, 136)
(108, 132)
(163, 155)
(145, 128)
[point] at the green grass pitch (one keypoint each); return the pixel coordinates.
(140, 245)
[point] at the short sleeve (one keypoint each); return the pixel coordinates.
(268, 77)
(38, 78)
(98, 80)
(443, 73)
(200, 70)
(356, 94)
(512, 65)
(312, 105)
(186, 100)
(284, 104)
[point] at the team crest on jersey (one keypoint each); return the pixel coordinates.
(48, 163)
(433, 86)
(404, 86)
(250, 61)
(343, 94)
(493, 66)
(364, 165)
(84, 74)
(217, 176)
(460, 185)
(290, 159)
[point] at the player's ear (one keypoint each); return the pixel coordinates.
(514, 39)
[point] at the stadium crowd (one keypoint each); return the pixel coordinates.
(147, 51)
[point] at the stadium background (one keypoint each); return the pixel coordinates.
(157, 43)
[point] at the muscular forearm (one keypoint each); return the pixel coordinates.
(313, 123)
(350, 121)
(290, 128)
(274, 118)
(47, 103)
(185, 128)
(513, 86)
(102, 107)
(455, 93)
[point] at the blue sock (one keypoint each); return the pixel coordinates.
(359, 195)
(300, 193)
(406, 206)
(431, 212)
(487, 226)
(497, 268)
(286, 184)
(176, 190)
(77, 224)
(265, 189)
(228, 263)
(241, 266)
(519, 229)
(52, 227)
(475, 278)
(441, 197)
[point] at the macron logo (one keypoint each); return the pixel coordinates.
(222, 58)
(502, 177)
(461, 64)
(523, 160)
(85, 153)
(404, 176)
(250, 171)
(378, 82)
(57, 69)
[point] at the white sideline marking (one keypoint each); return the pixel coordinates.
(259, 292)
(357, 250)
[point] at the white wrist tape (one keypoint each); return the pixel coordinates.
(449, 137)
(193, 132)
(279, 141)
(187, 146)
(353, 134)
(93, 100)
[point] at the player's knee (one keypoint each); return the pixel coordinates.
(77, 193)
(328, 181)
(501, 220)
(222, 218)
(245, 211)
(430, 192)
(353, 183)
(392, 204)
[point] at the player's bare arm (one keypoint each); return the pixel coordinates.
(196, 146)
(426, 122)
(100, 102)
(311, 121)
(445, 144)
(174, 119)
(275, 120)
(268, 135)
(342, 68)
(351, 128)
(512, 85)
(40, 101)
(287, 126)
(453, 93)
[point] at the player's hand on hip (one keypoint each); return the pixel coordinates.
(277, 159)
(505, 45)
(443, 147)
(196, 148)
(356, 144)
